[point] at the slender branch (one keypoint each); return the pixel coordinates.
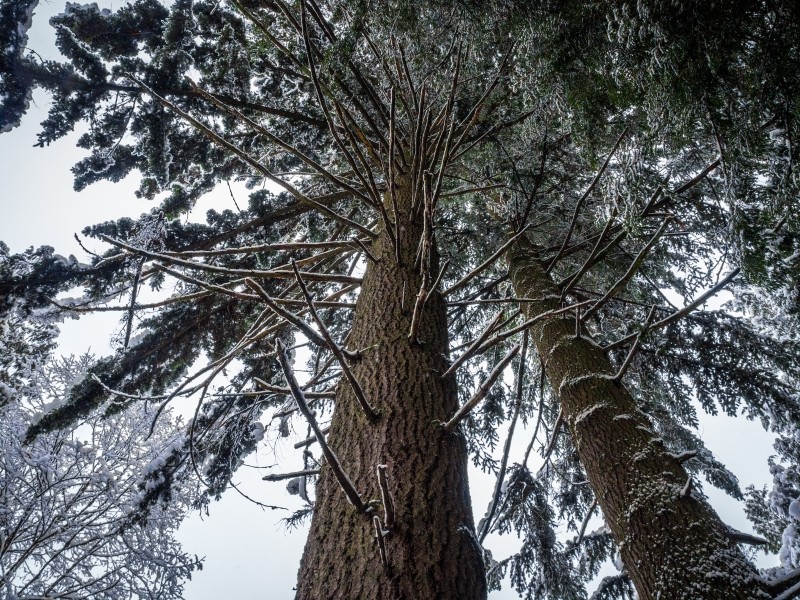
(635, 265)
(629, 358)
(272, 274)
(478, 341)
(525, 325)
(498, 487)
(489, 261)
(568, 283)
(343, 244)
(462, 412)
(308, 441)
(295, 320)
(585, 522)
(676, 316)
(582, 199)
(292, 475)
(553, 439)
(340, 353)
(243, 156)
(333, 461)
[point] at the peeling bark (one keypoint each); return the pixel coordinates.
(673, 545)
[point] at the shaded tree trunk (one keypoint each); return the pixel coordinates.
(673, 545)
(432, 551)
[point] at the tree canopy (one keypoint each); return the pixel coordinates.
(557, 187)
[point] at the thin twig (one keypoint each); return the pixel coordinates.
(635, 265)
(682, 312)
(582, 199)
(478, 341)
(489, 261)
(629, 358)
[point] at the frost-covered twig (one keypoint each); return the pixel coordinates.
(462, 412)
(292, 475)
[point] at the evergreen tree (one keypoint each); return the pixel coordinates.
(549, 169)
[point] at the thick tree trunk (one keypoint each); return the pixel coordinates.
(673, 545)
(431, 551)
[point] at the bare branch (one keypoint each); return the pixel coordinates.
(282, 476)
(629, 358)
(676, 316)
(635, 265)
(462, 412)
(488, 262)
(582, 199)
(330, 456)
(340, 353)
(475, 344)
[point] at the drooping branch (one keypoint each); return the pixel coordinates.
(501, 473)
(333, 462)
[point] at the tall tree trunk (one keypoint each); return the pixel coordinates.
(673, 545)
(431, 551)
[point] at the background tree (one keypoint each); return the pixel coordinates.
(65, 523)
(628, 157)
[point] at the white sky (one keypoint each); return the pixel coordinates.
(248, 553)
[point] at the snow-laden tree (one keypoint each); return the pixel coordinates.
(67, 529)
(559, 187)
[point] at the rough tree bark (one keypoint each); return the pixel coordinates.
(431, 551)
(673, 545)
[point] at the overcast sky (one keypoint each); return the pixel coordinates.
(248, 553)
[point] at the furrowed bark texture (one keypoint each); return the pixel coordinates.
(431, 550)
(673, 545)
